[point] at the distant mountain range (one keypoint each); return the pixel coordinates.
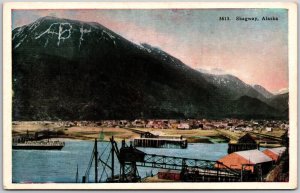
(72, 70)
(263, 91)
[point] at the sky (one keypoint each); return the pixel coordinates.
(254, 51)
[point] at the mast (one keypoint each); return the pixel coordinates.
(96, 161)
(77, 174)
(112, 161)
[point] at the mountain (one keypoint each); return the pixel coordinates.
(72, 70)
(280, 101)
(233, 86)
(236, 88)
(263, 91)
(256, 109)
(282, 91)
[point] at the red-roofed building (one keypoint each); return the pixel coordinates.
(246, 160)
(275, 153)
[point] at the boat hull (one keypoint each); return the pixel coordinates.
(37, 147)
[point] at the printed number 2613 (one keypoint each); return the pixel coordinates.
(224, 19)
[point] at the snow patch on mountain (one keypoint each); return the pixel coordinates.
(213, 71)
(62, 30)
(46, 43)
(34, 25)
(109, 36)
(144, 47)
(82, 32)
(19, 32)
(20, 42)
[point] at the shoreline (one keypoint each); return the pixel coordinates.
(92, 132)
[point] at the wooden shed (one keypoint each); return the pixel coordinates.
(246, 142)
(151, 134)
(167, 174)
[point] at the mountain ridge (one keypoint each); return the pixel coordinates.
(263, 91)
(67, 69)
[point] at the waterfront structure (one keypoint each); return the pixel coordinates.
(159, 140)
(30, 141)
(130, 158)
(246, 142)
(249, 160)
(39, 145)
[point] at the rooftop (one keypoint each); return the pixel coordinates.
(254, 156)
(278, 150)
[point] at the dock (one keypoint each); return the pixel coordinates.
(161, 142)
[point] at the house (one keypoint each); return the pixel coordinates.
(246, 160)
(138, 123)
(269, 129)
(183, 126)
(275, 153)
(248, 129)
(150, 124)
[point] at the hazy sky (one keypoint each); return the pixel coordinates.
(256, 52)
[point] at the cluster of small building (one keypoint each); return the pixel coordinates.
(205, 124)
(267, 125)
(249, 161)
(243, 155)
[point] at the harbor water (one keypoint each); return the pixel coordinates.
(50, 166)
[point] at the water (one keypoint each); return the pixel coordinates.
(40, 166)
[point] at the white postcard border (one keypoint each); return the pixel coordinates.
(7, 93)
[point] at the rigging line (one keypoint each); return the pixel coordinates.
(90, 163)
(87, 173)
(104, 168)
(106, 163)
(103, 151)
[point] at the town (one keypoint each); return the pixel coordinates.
(195, 131)
(203, 124)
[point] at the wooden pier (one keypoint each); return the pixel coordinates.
(161, 142)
